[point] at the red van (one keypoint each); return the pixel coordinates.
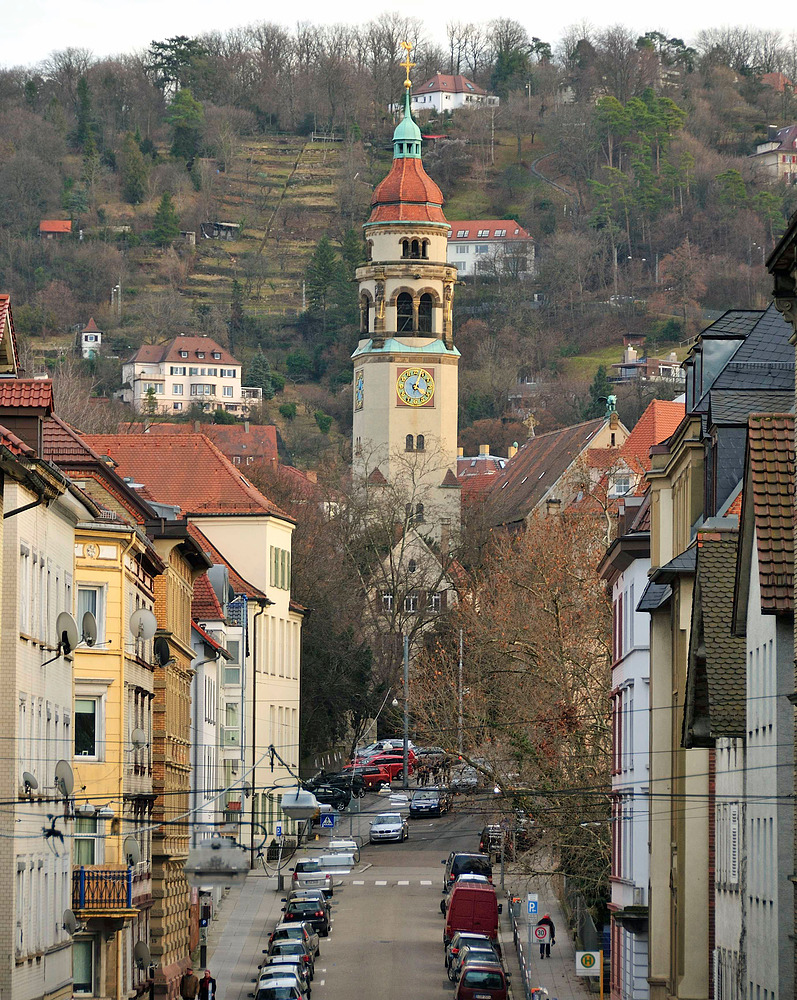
(474, 908)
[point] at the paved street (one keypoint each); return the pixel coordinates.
(387, 929)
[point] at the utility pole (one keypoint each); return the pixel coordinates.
(406, 782)
(459, 698)
(492, 137)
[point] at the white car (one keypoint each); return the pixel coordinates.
(308, 874)
(279, 977)
(389, 826)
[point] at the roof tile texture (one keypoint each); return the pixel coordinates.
(32, 392)
(407, 194)
(194, 346)
(657, 423)
(510, 228)
(205, 605)
(448, 84)
(771, 444)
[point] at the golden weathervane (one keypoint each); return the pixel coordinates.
(407, 65)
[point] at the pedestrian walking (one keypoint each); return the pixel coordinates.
(545, 946)
(207, 987)
(189, 985)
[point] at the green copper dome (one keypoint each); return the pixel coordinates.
(407, 136)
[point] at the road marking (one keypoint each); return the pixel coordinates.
(425, 882)
(380, 883)
(321, 982)
(402, 883)
(358, 881)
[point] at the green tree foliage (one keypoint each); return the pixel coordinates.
(323, 420)
(259, 375)
(186, 117)
(169, 62)
(166, 225)
(223, 417)
(600, 388)
(86, 125)
(287, 411)
(299, 366)
(134, 170)
(323, 279)
(237, 318)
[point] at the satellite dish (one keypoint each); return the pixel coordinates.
(89, 628)
(138, 738)
(141, 954)
(66, 629)
(64, 778)
(132, 851)
(162, 651)
(29, 781)
(70, 922)
(143, 624)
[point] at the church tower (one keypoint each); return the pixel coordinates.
(406, 364)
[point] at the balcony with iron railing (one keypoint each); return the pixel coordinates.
(110, 890)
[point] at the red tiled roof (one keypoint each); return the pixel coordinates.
(29, 392)
(193, 345)
(187, 470)
(206, 637)
(407, 194)
(55, 226)
(91, 327)
(62, 445)
(448, 84)
(657, 423)
(237, 582)
(259, 442)
(770, 439)
(205, 605)
(778, 81)
(472, 227)
(14, 444)
(735, 507)
(7, 331)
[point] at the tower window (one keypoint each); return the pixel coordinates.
(425, 250)
(416, 249)
(365, 314)
(425, 313)
(419, 443)
(408, 444)
(405, 248)
(404, 313)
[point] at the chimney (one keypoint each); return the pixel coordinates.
(484, 449)
(772, 133)
(553, 506)
(630, 354)
(511, 451)
(460, 452)
(672, 356)
(196, 427)
(246, 426)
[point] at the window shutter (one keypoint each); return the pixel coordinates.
(272, 567)
(733, 845)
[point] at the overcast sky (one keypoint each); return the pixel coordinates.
(34, 28)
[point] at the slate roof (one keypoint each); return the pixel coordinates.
(734, 323)
(187, 470)
(716, 677)
(28, 392)
(653, 596)
(768, 506)
(536, 468)
(681, 564)
(765, 360)
(733, 407)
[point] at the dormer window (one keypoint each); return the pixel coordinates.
(183, 354)
(216, 356)
(200, 354)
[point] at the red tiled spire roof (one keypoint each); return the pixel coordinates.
(91, 327)
(407, 194)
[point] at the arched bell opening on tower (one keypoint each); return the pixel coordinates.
(404, 313)
(365, 313)
(425, 313)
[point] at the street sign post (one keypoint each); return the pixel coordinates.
(590, 963)
(278, 830)
(542, 933)
(328, 821)
(532, 904)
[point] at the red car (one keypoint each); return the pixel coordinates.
(373, 776)
(392, 763)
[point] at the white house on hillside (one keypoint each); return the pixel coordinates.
(491, 247)
(186, 371)
(444, 92)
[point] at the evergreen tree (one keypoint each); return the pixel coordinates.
(134, 170)
(86, 127)
(599, 390)
(323, 275)
(258, 375)
(166, 226)
(237, 318)
(352, 250)
(186, 117)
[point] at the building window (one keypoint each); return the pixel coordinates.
(411, 604)
(482, 248)
(87, 711)
(418, 513)
(226, 390)
(177, 370)
(419, 442)
(232, 725)
(193, 371)
(177, 406)
(232, 668)
(236, 460)
(177, 390)
(216, 356)
(92, 599)
(183, 354)
(500, 232)
(462, 234)
(463, 248)
(404, 313)
(156, 387)
(405, 248)
(425, 314)
(483, 234)
(435, 602)
(83, 966)
(203, 389)
(200, 354)
(87, 847)
(227, 372)
(408, 443)
(387, 602)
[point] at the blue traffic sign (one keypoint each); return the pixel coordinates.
(533, 908)
(278, 830)
(327, 821)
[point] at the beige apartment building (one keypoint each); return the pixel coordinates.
(187, 371)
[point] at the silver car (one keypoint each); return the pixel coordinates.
(303, 931)
(308, 874)
(282, 974)
(389, 826)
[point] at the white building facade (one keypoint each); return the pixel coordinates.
(491, 248)
(447, 92)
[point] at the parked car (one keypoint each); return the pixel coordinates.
(430, 802)
(461, 863)
(430, 755)
(279, 973)
(459, 940)
(373, 776)
(389, 826)
(350, 780)
(279, 989)
(473, 908)
(294, 948)
(311, 911)
(291, 964)
(308, 874)
(483, 981)
(297, 931)
(465, 779)
(393, 764)
(481, 951)
(333, 795)
(491, 838)
(394, 743)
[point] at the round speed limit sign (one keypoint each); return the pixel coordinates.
(541, 933)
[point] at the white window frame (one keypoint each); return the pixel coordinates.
(101, 592)
(387, 601)
(435, 601)
(96, 690)
(177, 406)
(411, 603)
(183, 354)
(95, 836)
(177, 389)
(92, 945)
(226, 390)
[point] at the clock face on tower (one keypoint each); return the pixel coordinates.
(415, 387)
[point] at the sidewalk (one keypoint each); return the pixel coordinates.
(556, 974)
(236, 939)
